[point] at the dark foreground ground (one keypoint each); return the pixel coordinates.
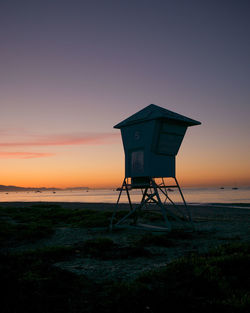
(62, 258)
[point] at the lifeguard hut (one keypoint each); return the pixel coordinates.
(151, 140)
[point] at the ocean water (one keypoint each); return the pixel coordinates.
(192, 195)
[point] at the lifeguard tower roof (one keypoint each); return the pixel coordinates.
(153, 112)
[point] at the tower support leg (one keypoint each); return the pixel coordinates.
(163, 209)
(183, 199)
(116, 206)
(150, 194)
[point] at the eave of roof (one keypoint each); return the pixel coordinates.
(152, 112)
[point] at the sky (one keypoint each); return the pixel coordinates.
(71, 70)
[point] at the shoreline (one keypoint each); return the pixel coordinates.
(110, 205)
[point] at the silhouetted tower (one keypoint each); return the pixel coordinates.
(151, 140)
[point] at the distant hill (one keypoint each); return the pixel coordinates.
(16, 188)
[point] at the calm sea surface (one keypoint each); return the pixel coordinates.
(192, 195)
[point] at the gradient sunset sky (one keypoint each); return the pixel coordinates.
(71, 70)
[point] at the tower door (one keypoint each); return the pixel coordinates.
(137, 162)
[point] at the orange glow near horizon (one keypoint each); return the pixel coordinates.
(115, 182)
(97, 161)
(111, 176)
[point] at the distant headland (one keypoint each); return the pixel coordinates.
(16, 188)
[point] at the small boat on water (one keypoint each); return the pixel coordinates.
(222, 188)
(235, 188)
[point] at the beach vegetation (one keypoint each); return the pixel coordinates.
(212, 282)
(40, 220)
(167, 239)
(32, 280)
(30, 283)
(31, 231)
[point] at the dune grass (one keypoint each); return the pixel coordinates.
(213, 282)
(40, 221)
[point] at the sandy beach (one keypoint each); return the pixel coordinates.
(214, 225)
